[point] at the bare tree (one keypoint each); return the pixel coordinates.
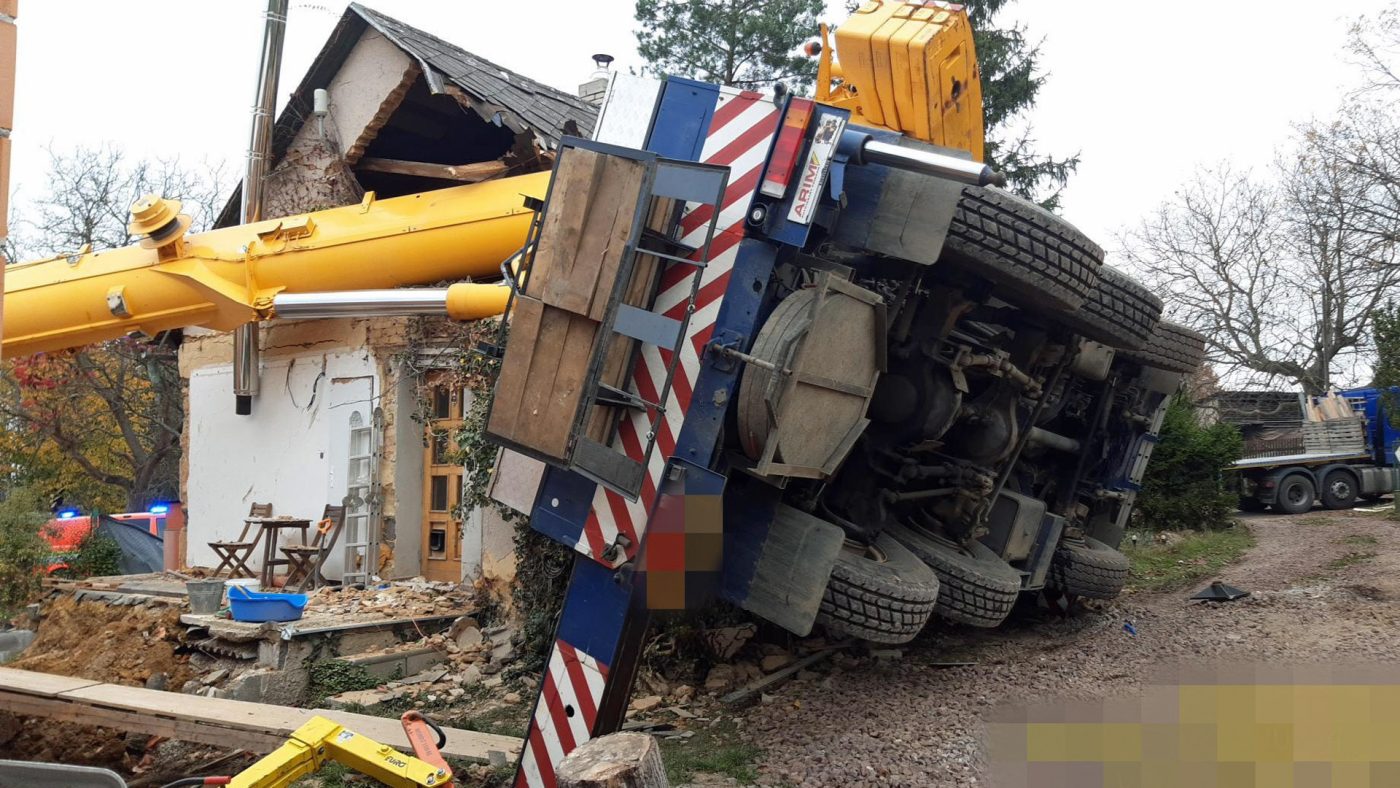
(89, 192)
(112, 413)
(1282, 274)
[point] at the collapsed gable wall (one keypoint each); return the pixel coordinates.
(315, 172)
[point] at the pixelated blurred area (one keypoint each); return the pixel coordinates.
(1234, 727)
(684, 547)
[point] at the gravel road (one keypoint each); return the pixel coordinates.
(911, 721)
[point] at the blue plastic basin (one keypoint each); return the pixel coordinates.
(248, 605)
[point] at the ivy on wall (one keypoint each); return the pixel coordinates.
(542, 565)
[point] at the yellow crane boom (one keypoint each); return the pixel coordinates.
(224, 278)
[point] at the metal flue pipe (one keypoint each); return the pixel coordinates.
(463, 301)
(246, 362)
(865, 149)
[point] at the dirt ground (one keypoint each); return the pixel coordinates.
(126, 644)
(1325, 589)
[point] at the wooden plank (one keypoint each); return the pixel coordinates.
(44, 685)
(545, 412)
(512, 382)
(571, 193)
(619, 359)
(198, 708)
(583, 240)
(748, 691)
(605, 239)
(183, 730)
(255, 726)
(465, 173)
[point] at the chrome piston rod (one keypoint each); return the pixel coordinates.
(461, 301)
(361, 303)
(865, 149)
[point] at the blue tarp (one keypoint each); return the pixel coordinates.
(141, 552)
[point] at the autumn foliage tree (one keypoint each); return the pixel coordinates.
(98, 426)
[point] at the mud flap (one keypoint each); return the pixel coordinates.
(777, 567)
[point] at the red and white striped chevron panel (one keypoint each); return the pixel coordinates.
(564, 715)
(741, 132)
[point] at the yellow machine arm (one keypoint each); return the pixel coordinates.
(222, 279)
(910, 68)
(321, 740)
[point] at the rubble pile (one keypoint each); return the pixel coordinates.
(470, 658)
(412, 598)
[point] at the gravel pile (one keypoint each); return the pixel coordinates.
(1323, 585)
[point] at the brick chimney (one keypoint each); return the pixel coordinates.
(596, 87)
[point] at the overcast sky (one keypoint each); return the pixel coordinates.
(1146, 92)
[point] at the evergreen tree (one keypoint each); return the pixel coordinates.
(1011, 79)
(745, 43)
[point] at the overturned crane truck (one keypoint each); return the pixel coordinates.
(799, 356)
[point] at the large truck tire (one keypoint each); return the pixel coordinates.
(884, 594)
(1173, 348)
(1339, 489)
(1036, 259)
(1296, 494)
(1119, 313)
(976, 587)
(1088, 568)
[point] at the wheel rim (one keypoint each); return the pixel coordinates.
(1341, 489)
(1296, 494)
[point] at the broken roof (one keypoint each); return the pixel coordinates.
(523, 102)
(498, 94)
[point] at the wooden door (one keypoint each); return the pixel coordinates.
(442, 485)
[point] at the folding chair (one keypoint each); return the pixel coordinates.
(235, 554)
(305, 560)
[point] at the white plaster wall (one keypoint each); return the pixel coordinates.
(283, 453)
(372, 70)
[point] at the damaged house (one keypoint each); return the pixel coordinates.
(347, 407)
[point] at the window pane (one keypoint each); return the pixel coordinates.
(359, 472)
(359, 443)
(437, 542)
(442, 403)
(440, 446)
(439, 494)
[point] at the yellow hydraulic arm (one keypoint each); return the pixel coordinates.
(321, 740)
(222, 279)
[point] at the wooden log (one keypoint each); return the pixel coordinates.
(620, 760)
(466, 173)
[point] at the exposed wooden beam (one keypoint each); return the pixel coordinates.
(467, 173)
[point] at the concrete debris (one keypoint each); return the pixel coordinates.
(511, 697)
(468, 637)
(214, 677)
(644, 705)
(398, 599)
(721, 678)
(725, 642)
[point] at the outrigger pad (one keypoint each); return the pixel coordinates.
(1219, 592)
